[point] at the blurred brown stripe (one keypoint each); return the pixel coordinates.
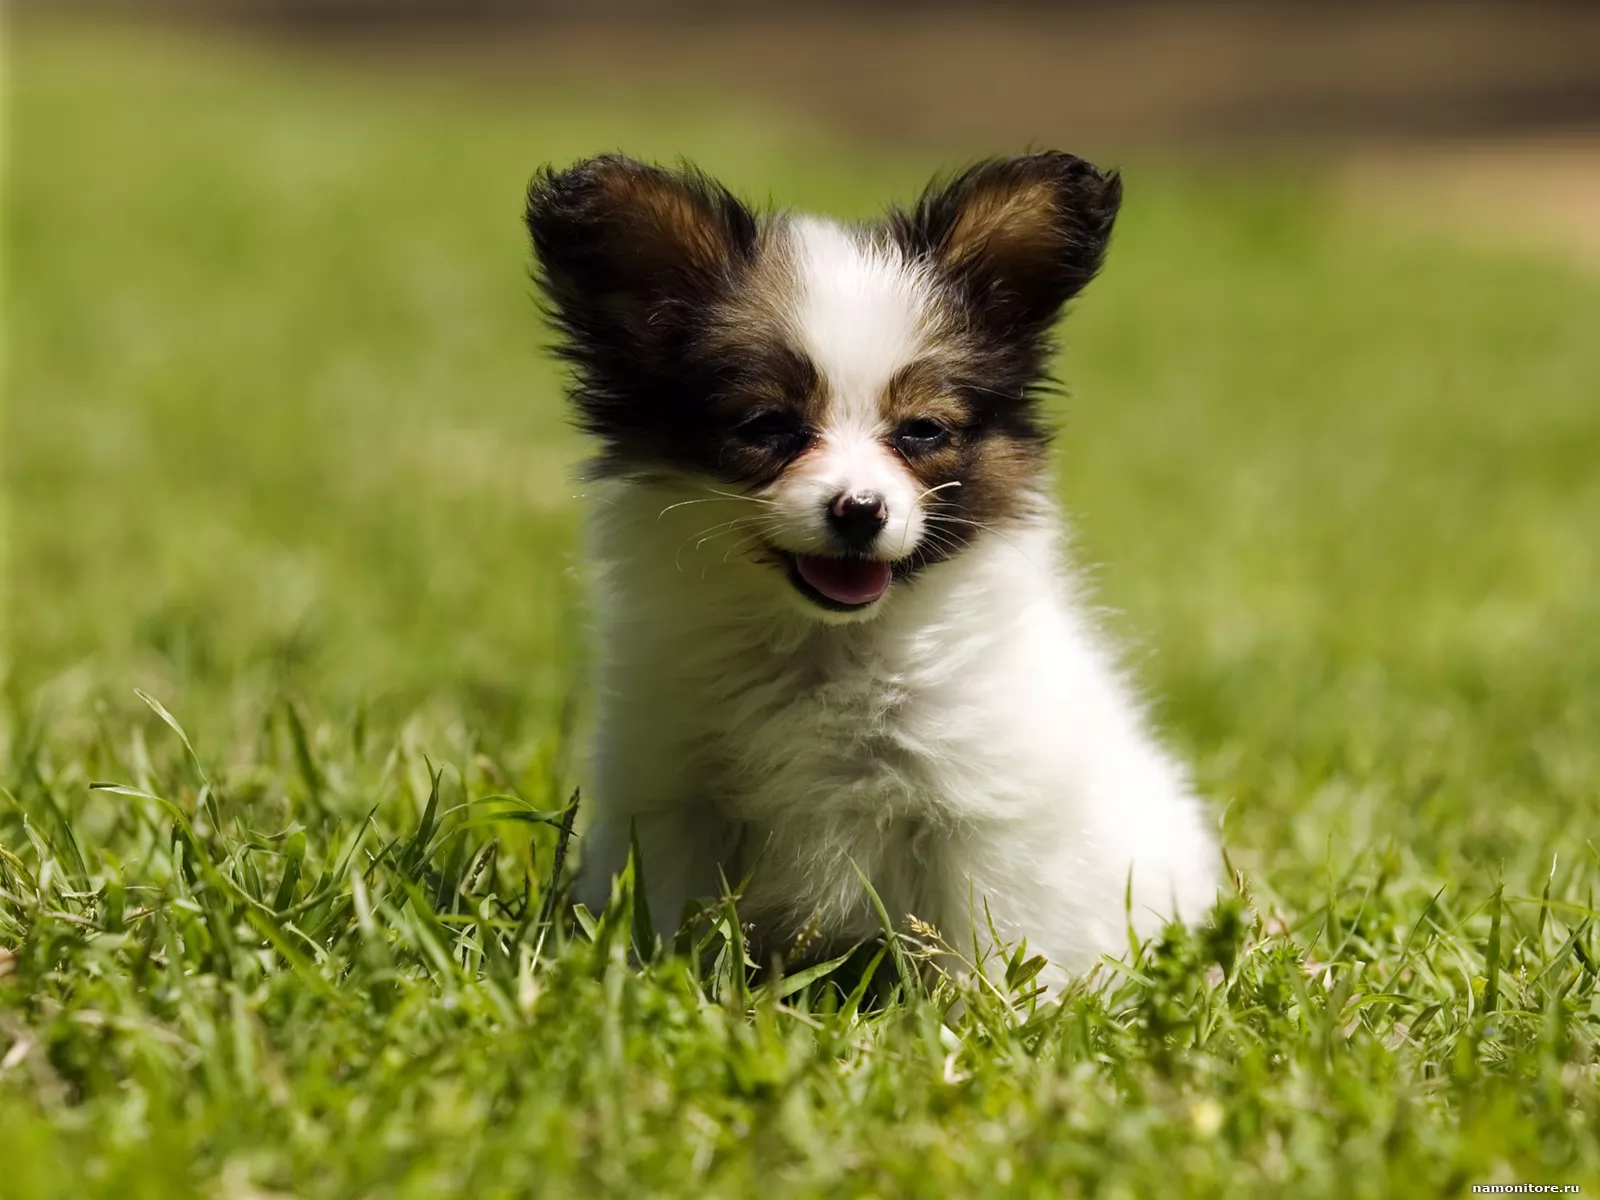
(1087, 74)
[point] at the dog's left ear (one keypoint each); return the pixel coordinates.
(1019, 237)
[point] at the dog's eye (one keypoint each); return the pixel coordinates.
(923, 435)
(772, 429)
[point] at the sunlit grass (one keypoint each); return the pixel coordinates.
(283, 454)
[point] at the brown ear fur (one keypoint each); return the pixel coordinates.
(652, 221)
(1018, 236)
(625, 249)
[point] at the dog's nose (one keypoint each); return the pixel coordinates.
(857, 517)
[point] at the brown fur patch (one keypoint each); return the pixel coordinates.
(926, 389)
(995, 452)
(662, 222)
(1012, 225)
(759, 371)
(1017, 237)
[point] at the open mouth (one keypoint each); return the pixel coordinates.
(840, 584)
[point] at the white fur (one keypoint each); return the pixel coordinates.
(967, 741)
(860, 313)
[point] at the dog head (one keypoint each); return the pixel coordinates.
(870, 392)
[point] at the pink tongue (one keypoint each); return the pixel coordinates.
(845, 580)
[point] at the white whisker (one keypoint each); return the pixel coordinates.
(740, 545)
(683, 504)
(711, 499)
(983, 528)
(740, 496)
(733, 526)
(764, 521)
(906, 532)
(936, 488)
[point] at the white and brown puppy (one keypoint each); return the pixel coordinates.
(835, 627)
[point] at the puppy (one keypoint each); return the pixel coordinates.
(837, 636)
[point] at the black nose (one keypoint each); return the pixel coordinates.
(857, 517)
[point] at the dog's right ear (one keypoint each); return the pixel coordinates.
(628, 253)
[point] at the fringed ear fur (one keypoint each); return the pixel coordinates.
(627, 251)
(1019, 237)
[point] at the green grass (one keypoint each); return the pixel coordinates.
(283, 452)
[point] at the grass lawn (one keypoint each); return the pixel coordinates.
(282, 452)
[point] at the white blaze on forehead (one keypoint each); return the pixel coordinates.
(860, 315)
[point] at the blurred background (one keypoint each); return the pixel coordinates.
(1203, 75)
(283, 448)
(281, 422)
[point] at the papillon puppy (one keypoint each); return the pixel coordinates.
(837, 637)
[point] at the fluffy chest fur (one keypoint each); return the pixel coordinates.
(972, 745)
